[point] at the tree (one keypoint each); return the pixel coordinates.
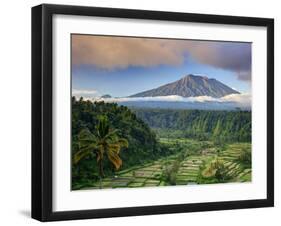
(217, 129)
(245, 158)
(106, 142)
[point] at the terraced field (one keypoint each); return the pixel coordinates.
(234, 169)
(183, 170)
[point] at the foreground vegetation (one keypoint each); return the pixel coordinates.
(114, 147)
(196, 163)
(141, 143)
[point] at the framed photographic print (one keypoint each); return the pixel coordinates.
(145, 112)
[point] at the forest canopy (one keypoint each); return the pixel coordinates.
(225, 126)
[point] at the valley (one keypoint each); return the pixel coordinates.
(157, 147)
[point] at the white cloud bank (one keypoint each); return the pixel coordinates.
(241, 100)
(87, 94)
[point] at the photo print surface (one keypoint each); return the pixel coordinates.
(159, 112)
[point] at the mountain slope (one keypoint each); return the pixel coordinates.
(190, 86)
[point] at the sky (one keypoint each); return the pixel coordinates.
(123, 66)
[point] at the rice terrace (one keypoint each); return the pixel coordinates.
(183, 169)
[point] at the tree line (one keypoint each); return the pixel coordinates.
(224, 126)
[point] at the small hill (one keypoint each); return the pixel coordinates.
(106, 96)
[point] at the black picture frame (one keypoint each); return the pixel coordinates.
(42, 111)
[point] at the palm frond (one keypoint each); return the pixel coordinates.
(111, 135)
(85, 138)
(106, 141)
(123, 142)
(114, 147)
(102, 127)
(85, 134)
(114, 159)
(80, 155)
(91, 147)
(86, 143)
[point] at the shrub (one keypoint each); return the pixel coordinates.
(245, 158)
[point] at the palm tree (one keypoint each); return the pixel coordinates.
(216, 169)
(106, 142)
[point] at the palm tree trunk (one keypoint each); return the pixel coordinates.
(101, 168)
(100, 183)
(101, 174)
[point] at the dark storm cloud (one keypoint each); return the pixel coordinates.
(120, 52)
(231, 56)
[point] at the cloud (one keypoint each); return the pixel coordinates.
(244, 75)
(108, 52)
(241, 100)
(120, 52)
(244, 99)
(236, 57)
(85, 93)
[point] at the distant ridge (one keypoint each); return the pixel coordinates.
(190, 86)
(106, 96)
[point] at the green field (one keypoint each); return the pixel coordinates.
(194, 162)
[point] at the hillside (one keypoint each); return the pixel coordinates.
(227, 126)
(143, 146)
